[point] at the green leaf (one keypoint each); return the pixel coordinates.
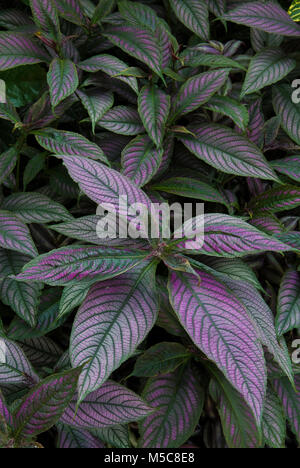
(273, 422)
(284, 197)
(96, 103)
(194, 15)
(160, 359)
(24, 85)
(190, 188)
(103, 9)
(287, 110)
(8, 161)
(154, 107)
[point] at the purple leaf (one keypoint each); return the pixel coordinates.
(70, 438)
(71, 10)
(139, 43)
(8, 161)
(14, 235)
(198, 90)
(110, 65)
(194, 15)
(62, 79)
(154, 108)
(18, 49)
(122, 120)
(238, 423)
(178, 400)
(266, 68)
(274, 422)
(110, 405)
(42, 407)
(77, 263)
(262, 317)
(289, 166)
(219, 326)
(287, 110)
(288, 309)
(141, 160)
(5, 412)
(104, 185)
(23, 298)
(68, 143)
(114, 319)
(14, 365)
(227, 151)
(268, 16)
(290, 399)
(46, 16)
(228, 236)
(281, 198)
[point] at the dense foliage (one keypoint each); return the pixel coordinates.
(143, 342)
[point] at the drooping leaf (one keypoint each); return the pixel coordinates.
(219, 325)
(110, 405)
(69, 143)
(97, 104)
(154, 108)
(21, 297)
(194, 15)
(110, 325)
(288, 308)
(18, 49)
(42, 407)
(141, 160)
(122, 120)
(110, 65)
(268, 16)
(8, 112)
(162, 358)
(14, 235)
(35, 208)
(62, 80)
(79, 263)
(198, 90)
(178, 399)
(266, 68)
(227, 151)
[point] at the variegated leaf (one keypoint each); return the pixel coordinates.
(114, 319)
(194, 15)
(18, 49)
(96, 103)
(14, 235)
(122, 120)
(154, 108)
(62, 80)
(288, 308)
(219, 325)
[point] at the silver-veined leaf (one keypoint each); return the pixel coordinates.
(219, 325)
(62, 79)
(113, 320)
(194, 15)
(15, 235)
(154, 108)
(178, 400)
(96, 103)
(18, 49)
(288, 308)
